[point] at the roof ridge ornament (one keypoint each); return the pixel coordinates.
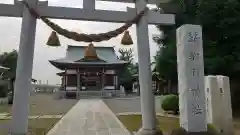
(90, 53)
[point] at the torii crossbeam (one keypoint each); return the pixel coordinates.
(88, 13)
(22, 86)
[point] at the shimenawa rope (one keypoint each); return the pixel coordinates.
(87, 37)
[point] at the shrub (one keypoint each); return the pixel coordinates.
(127, 84)
(170, 103)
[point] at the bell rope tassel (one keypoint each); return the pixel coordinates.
(53, 40)
(126, 39)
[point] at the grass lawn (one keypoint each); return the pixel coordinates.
(236, 123)
(36, 126)
(5, 108)
(166, 124)
(134, 122)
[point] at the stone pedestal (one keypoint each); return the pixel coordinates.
(191, 78)
(181, 131)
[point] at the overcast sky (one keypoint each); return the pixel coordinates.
(42, 69)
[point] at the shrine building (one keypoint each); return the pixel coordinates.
(89, 70)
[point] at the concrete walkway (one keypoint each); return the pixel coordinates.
(89, 117)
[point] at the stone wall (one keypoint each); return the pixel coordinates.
(131, 104)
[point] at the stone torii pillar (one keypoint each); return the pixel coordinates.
(88, 13)
(145, 75)
(22, 86)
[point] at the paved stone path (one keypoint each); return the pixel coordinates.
(89, 117)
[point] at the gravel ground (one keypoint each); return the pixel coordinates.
(45, 104)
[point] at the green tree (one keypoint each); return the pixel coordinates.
(9, 59)
(220, 22)
(127, 55)
(134, 68)
(126, 76)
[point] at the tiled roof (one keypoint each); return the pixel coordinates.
(76, 53)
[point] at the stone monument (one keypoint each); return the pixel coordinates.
(218, 95)
(217, 91)
(191, 79)
(212, 101)
(225, 101)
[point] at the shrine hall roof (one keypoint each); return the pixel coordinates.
(76, 53)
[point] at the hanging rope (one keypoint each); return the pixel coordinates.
(87, 37)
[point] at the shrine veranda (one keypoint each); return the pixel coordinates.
(192, 117)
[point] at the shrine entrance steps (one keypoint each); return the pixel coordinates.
(89, 94)
(89, 117)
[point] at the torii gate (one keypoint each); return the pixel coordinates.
(26, 50)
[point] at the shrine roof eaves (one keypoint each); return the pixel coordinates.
(63, 65)
(76, 53)
(65, 61)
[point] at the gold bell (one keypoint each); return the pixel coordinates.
(53, 40)
(126, 39)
